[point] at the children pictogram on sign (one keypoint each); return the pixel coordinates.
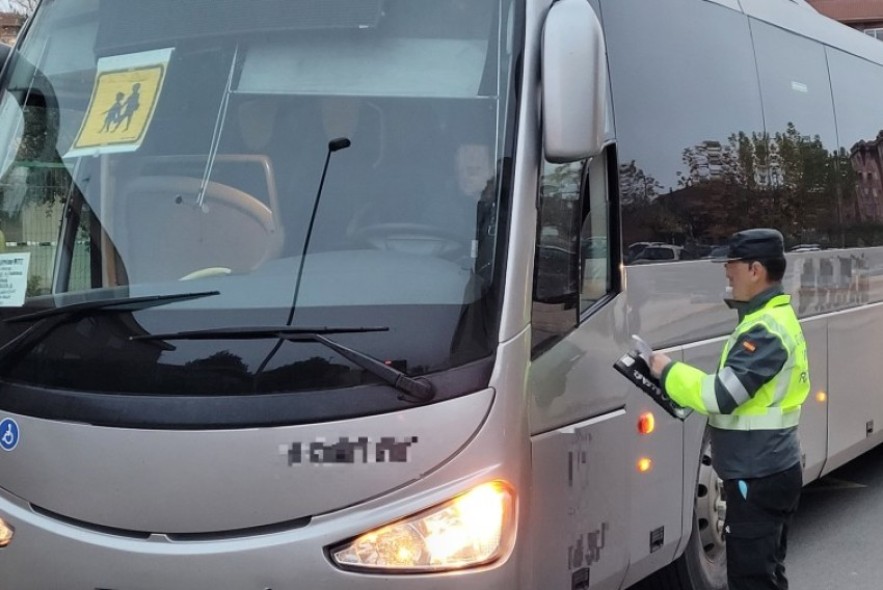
(126, 91)
(112, 115)
(130, 106)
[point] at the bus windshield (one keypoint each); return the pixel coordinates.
(331, 164)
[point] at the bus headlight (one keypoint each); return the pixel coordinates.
(472, 529)
(6, 532)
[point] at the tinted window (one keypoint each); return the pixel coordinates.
(686, 100)
(141, 145)
(573, 265)
(595, 236)
(657, 253)
(857, 86)
(556, 270)
(795, 163)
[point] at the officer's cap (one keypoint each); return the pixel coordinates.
(754, 244)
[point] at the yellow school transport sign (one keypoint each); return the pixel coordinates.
(127, 88)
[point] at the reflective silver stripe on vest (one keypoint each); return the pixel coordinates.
(733, 386)
(709, 397)
(774, 419)
(783, 378)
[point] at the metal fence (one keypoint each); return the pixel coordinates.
(37, 233)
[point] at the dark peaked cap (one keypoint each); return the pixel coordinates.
(754, 244)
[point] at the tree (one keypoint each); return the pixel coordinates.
(637, 187)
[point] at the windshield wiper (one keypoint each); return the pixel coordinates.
(120, 303)
(46, 320)
(414, 389)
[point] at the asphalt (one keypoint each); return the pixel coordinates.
(836, 540)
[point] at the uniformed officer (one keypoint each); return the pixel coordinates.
(753, 405)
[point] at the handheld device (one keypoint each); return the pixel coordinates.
(634, 366)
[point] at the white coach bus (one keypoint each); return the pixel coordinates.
(327, 293)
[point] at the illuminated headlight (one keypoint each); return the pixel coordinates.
(472, 529)
(6, 532)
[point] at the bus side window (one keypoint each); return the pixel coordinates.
(556, 259)
(596, 277)
(573, 265)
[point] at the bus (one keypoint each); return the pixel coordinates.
(328, 293)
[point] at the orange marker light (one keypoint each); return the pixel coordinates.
(821, 397)
(646, 423)
(644, 464)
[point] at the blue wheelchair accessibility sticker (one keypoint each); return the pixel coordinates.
(8, 434)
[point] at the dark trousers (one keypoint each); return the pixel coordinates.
(759, 511)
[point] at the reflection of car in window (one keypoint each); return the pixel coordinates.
(634, 250)
(805, 248)
(659, 253)
(595, 247)
(719, 252)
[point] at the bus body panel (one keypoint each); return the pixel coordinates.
(856, 412)
(807, 22)
(85, 560)
(574, 380)
(520, 254)
(294, 556)
(91, 474)
(814, 425)
(583, 525)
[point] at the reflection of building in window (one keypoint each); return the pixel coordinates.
(714, 161)
(867, 161)
(708, 162)
(10, 25)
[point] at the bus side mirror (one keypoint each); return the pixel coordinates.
(574, 82)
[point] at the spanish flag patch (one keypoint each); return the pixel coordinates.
(749, 346)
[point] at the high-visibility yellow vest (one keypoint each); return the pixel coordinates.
(776, 405)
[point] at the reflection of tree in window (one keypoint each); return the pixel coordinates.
(787, 179)
(312, 373)
(223, 361)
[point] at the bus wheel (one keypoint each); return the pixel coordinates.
(706, 555)
(703, 565)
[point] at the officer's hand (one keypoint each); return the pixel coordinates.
(658, 362)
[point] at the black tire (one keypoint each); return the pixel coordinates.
(703, 565)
